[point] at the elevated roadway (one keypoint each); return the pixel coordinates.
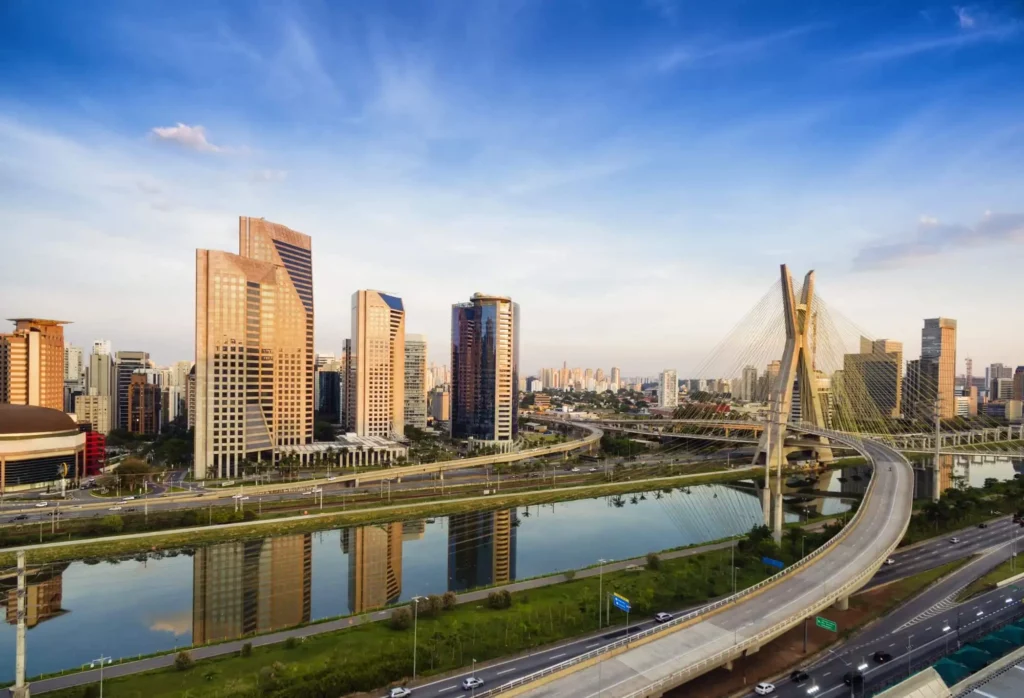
(657, 660)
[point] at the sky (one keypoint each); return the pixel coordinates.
(632, 172)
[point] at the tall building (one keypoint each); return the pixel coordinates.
(996, 371)
(374, 565)
(190, 398)
(416, 380)
(873, 379)
(328, 390)
(1018, 383)
(74, 369)
(481, 549)
(127, 363)
(938, 363)
(144, 403)
(375, 383)
(748, 384)
(440, 405)
(32, 363)
(94, 410)
(1001, 389)
(253, 586)
(616, 379)
(485, 370)
(254, 348)
(99, 377)
(668, 389)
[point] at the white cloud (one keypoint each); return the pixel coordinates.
(683, 55)
(268, 175)
(193, 137)
(952, 42)
(965, 17)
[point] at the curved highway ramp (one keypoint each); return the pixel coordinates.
(657, 660)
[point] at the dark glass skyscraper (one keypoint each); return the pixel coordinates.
(485, 370)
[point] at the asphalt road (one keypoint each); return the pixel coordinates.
(884, 516)
(919, 627)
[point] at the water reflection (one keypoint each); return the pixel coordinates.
(153, 603)
(953, 471)
(247, 587)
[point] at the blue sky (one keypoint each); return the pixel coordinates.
(631, 172)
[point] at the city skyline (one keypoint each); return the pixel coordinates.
(885, 158)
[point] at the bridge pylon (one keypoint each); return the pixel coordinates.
(794, 397)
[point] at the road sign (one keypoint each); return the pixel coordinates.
(621, 603)
(773, 563)
(826, 623)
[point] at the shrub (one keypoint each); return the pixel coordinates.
(250, 515)
(499, 599)
(401, 618)
(246, 650)
(653, 562)
(91, 691)
(449, 600)
(184, 661)
(292, 642)
(570, 575)
(433, 605)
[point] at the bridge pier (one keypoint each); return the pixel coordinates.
(777, 516)
(843, 604)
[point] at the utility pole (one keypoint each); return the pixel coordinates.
(600, 590)
(415, 608)
(936, 486)
(20, 689)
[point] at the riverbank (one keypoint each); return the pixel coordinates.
(129, 544)
(372, 651)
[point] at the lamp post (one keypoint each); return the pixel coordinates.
(415, 608)
(101, 661)
(600, 591)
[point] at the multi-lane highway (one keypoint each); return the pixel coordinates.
(927, 624)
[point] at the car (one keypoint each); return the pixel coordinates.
(983, 525)
(662, 617)
(853, 678)
(21, 517)
(130, 509)
(882, 657)
(593, 470)
(574, 470)
(954, 539)
(399, 692)
(764, 688)
(306, 493)
(42, 504)
(471, 683)
(799, 676)
(890, 561)
(127, 499)
(237, 496)
(115, 508)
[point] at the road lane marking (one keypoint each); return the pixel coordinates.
(892, 645)
(556, 656)
(593, 645)
(826, 673)
(505, 671)
(447, 688)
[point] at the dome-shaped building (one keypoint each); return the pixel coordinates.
(38, 447)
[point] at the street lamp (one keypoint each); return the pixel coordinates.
(600, 590)
(101, 661)
(415, 608)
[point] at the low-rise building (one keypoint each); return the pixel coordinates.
(39, 447)
(350, 450)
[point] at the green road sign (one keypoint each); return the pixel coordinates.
(826, 623)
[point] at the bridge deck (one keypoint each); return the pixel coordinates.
(882, 524)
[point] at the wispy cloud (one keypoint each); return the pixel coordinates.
(668, 9)
(192, 137)
(971, 34)
(685, 55)
(933, 237)
(965, 17)
(268, 175)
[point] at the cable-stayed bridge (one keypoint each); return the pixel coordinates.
(823, 396)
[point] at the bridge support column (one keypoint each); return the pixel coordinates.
(777, 516)
(355, 483)
(728, 665)
(766, 506)
(843, 604)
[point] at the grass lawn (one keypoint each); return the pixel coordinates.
(372, 655)
(988, 581)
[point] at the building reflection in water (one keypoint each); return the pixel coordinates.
(374, 565)
(481, 549)
(44, 587)
(251, 586)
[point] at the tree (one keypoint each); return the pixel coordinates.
(401, 618)
(653, 562)
(449, 600)
(131, 472)
(183, 661)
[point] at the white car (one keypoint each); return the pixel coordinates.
(399, 692)
(764, 688)
(574, 470)
(237, 496)
(890, 561)
(954, 539)
(115, 508)
(471, 683)
(42, 504)
(127, 499)
(662, 617)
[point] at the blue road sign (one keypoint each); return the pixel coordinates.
(773, 563)
(621, 603)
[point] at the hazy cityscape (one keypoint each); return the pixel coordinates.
(568, 350)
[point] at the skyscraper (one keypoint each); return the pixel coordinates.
(668, 389)
(74, 370)
(127, 363)
(938, 363)
(376, 374)
(143, 406)
(32, 363)
(748, 384)
(254, 348)
(485, 370)
(616, 379)
(873, 379)
(1018, 383)
(416, 381)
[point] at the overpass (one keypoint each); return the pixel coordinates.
(655, 661)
